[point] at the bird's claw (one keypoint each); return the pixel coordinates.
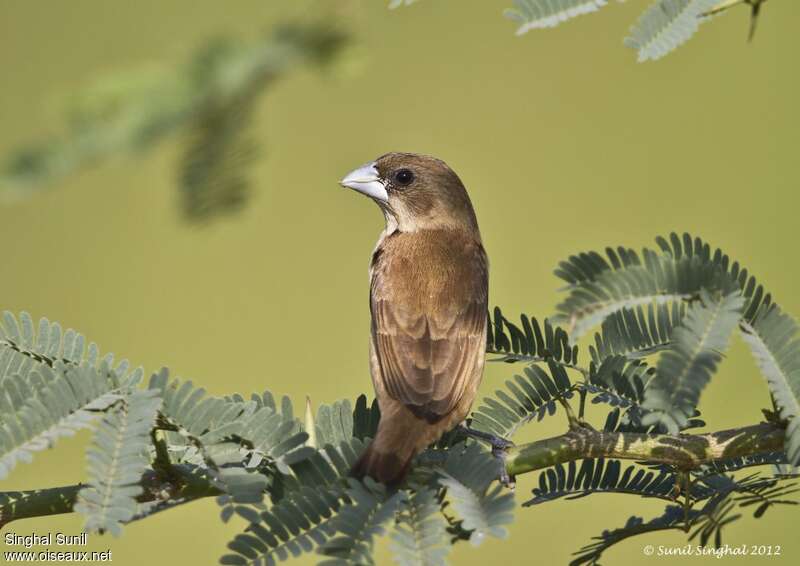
(499, 446)
(505, 479)
(495, 441)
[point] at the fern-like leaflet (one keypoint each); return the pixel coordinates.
(117, 459)
(537, 14)
(666, 25)
(360, 521)
(67, 399)
(533, 396)
(685, 368)
(597, 475)
(298, 523)
(637, 333)
(673, 518)
(420, 534)
(468, 475)
(529, 342)
(772, 337)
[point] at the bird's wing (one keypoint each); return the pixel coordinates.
(430, 344)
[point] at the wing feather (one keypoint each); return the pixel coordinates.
(429, 328)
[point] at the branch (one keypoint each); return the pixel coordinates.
(684, 451)
(184, 482)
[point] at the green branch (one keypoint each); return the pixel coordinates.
(684, 451)
(184, 483)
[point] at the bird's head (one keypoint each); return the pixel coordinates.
(415, 192)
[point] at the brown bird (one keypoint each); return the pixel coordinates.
(428, 300)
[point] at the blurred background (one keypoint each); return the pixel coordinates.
(563, 141)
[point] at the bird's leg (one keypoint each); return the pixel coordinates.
(495, 441)
(505, 479)
(499, 446)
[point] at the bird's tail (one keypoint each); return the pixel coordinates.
(388, 457)
(389, 468)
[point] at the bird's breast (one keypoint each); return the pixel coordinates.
(438, 273)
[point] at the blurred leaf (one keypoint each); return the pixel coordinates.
(397, 3)
(211, 99)
(538, 14)
(666, 25)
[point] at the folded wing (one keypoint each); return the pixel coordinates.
(430, 337)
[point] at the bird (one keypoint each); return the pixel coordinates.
(429, 278)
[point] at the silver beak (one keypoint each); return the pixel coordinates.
(366, 180)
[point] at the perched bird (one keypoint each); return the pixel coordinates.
(428, 301)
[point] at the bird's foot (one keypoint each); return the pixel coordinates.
(507, 480)
(499, 446)
(496, 442)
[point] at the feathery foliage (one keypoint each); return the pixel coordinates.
(637, 333)
(662, 27)
(468, 475)
(719, 467)
(530, 343)
(334, 423)
(67, 399)
(686, 246)
(359, 522)
(325, 466)
(23, 348)
(673, 518)
(209, 99)
(597, 475)
(706, 524)
(537, 14)
(666, 25)
(765, 495)
(621, 383)
(530, 397)
(51, 385)
(420, 534)
(753, 490)
(716, 514)
(224, 434)
(772, 337)
(685, 369)
(218, 149)
(677, 272)
(601, 291)
(298, 523)
(658, 278)
(365, 418)
(117, 458)
(618, 381)
(306, 500)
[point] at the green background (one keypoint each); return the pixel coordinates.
(563, 141)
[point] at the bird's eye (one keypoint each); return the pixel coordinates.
(404, 177)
